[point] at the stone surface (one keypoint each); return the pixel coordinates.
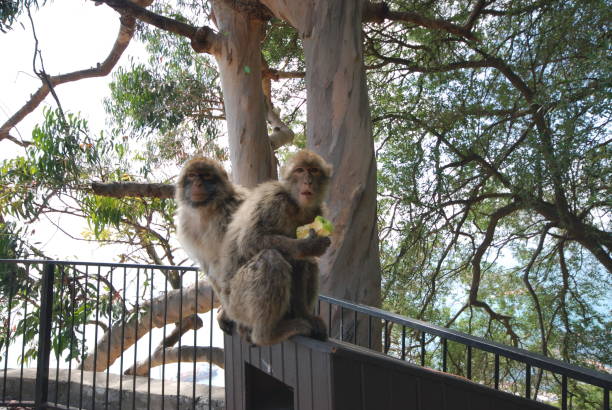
(119, 389)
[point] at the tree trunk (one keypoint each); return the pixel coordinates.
(240, 68)
(340, 129)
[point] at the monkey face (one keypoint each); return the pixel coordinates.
(201, 183)
(307, 183)
(307, 176)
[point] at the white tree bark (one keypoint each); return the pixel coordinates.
(340, 129)
(240, 67)
(184, 354)
(152, 315)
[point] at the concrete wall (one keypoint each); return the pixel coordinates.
(70, 392)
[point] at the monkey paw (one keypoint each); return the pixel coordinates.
(226, 325)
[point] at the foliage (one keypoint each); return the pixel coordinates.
(486, 151)
(10, 10)
(493, 208)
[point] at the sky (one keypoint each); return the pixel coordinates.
(72, 35)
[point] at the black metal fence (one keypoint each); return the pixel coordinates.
(84, 335)
(126, 336)
(496, 365)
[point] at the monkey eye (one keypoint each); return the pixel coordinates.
(192, 175)
(299, 170)
(314, 171)
(207, 176)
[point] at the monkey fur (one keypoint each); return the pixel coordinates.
(269, 279)
(206, 201)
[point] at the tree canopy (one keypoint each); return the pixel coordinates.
(489, 122)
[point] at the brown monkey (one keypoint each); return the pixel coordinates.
(206, 201)
(268, 278)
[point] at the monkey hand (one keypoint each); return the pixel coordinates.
(314, 245)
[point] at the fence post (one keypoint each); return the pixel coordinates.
(44, 338)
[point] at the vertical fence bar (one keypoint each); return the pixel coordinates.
(72, 303)
(195, 341)
(423, 348)
(444, 354)
(44, 337)
(606, 403)
(403, 342)
(24, 329)
(123, 312)
(386, 337)
(528, 381)
(369, 331)
(329, 319)
(469, 362)
(12, 281)
(355, 328)
(111, 298)
(59, 331)
(151, 284)
(496, 372)
(210, 351)
(163, 404)
(85, 305)
(93, 388)
(136, 310)
(341, 323)
(180, 334)
(563, 392)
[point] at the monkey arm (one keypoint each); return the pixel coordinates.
(295, 248)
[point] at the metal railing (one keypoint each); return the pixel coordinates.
(89, 331)
(398, 331)
(66, 319)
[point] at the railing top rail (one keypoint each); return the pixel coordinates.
(534, 359)
(110, 265)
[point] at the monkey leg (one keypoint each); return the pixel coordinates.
(283, 330)
(304, 293)
(260, 298)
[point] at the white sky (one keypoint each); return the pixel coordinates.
(72, 35)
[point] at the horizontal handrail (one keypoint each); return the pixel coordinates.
(110, 265)
(535, 359)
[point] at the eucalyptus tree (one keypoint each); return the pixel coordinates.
(488, 120)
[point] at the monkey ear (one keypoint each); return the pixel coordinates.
(329, 169)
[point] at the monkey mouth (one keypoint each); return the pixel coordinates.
(306, 194)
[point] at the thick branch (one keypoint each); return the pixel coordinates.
(203, 39)
(378, 12)
(281, 133)
(532, 292)
(595, 240)
(126, 32)
(191, 323)
(186, 354)
(477, 272)
(133, 189)
(153, 314)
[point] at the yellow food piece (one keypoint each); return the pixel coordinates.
(321, 226)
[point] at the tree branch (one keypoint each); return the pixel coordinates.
(133, 189)
(126, 32)
(379, 11)
(477, 272)
(203, 39)
(186, 354)
(156, 313)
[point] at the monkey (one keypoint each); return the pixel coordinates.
(206, 201)
(269, 279)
